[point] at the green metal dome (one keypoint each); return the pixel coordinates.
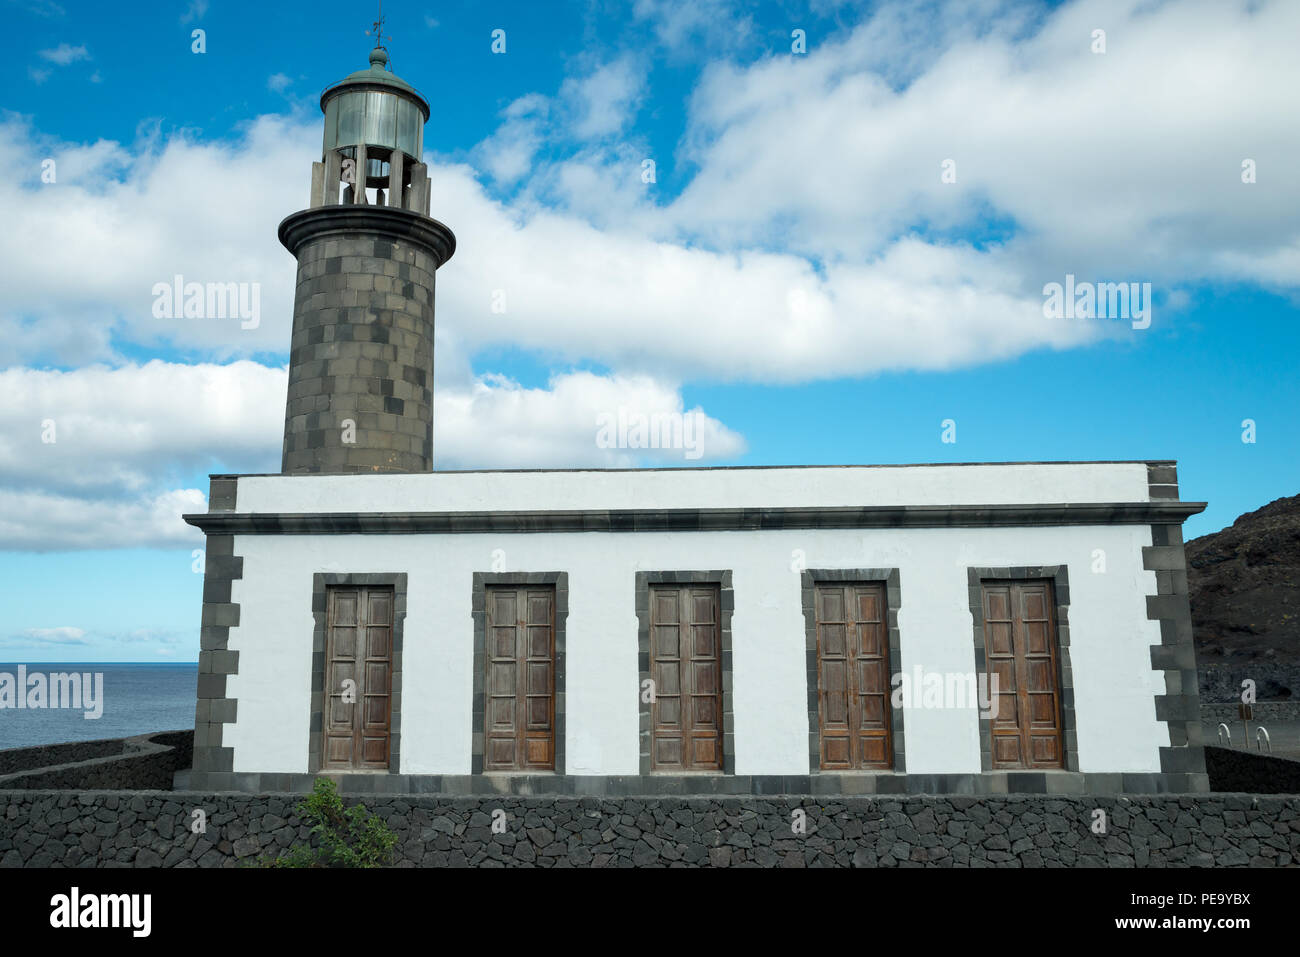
(376, 77)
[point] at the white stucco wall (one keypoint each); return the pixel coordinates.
(1110, 634)
(700, 488)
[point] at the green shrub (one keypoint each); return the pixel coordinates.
(347, 838)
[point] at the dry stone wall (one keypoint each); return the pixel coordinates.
(155, 829)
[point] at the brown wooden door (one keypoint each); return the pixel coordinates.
(686, 667)
(358, 649)
(853, 676)
(1020, 648)
(519, 686)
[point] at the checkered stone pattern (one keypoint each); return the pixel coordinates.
(213, 709)
(362, 352)
(1183, 762)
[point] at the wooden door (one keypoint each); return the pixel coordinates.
(686, 667)
(1020, 648)
(853, 676)
(519, 686)
(358, 677)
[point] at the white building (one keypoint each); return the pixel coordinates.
(769, 630)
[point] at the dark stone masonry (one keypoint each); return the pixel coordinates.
(362, 346)
(56, 810)
(48, 755)
(147, 761)
(153, 829)
(1235, 770)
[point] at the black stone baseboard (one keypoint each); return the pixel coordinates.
(739, 785)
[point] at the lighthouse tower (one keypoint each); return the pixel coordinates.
(361, 359)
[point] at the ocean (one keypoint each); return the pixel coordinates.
(138, 698)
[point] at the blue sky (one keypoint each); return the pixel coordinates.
(798, 271)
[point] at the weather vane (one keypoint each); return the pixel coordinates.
(379, 27)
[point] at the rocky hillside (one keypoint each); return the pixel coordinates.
(1245, 592)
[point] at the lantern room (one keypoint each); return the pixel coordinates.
(373, 141)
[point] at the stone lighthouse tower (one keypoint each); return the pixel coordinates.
(361, 359)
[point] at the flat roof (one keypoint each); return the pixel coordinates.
(701, 468)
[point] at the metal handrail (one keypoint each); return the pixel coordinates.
(1264, 731)
(1224, 729)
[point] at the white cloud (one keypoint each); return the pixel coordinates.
(1096, 166)
(161, 641)
(195, 11)
(836, 158)
(1277, 266)
(507, 155)
(124, 437)
(122, 429)
(814, 238)
(63, 635)
(124, 218)
(44, 8)
(45, 521)
(605, 100)
(557, 426)
(278, 82)
(687, 27)
(691, 314)
(149, 636)
(65, 53)
(592, 109)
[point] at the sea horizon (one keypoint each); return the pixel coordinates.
(133, 697)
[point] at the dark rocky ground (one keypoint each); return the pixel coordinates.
(1244, 583)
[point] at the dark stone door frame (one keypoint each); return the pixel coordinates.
(320, 613)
